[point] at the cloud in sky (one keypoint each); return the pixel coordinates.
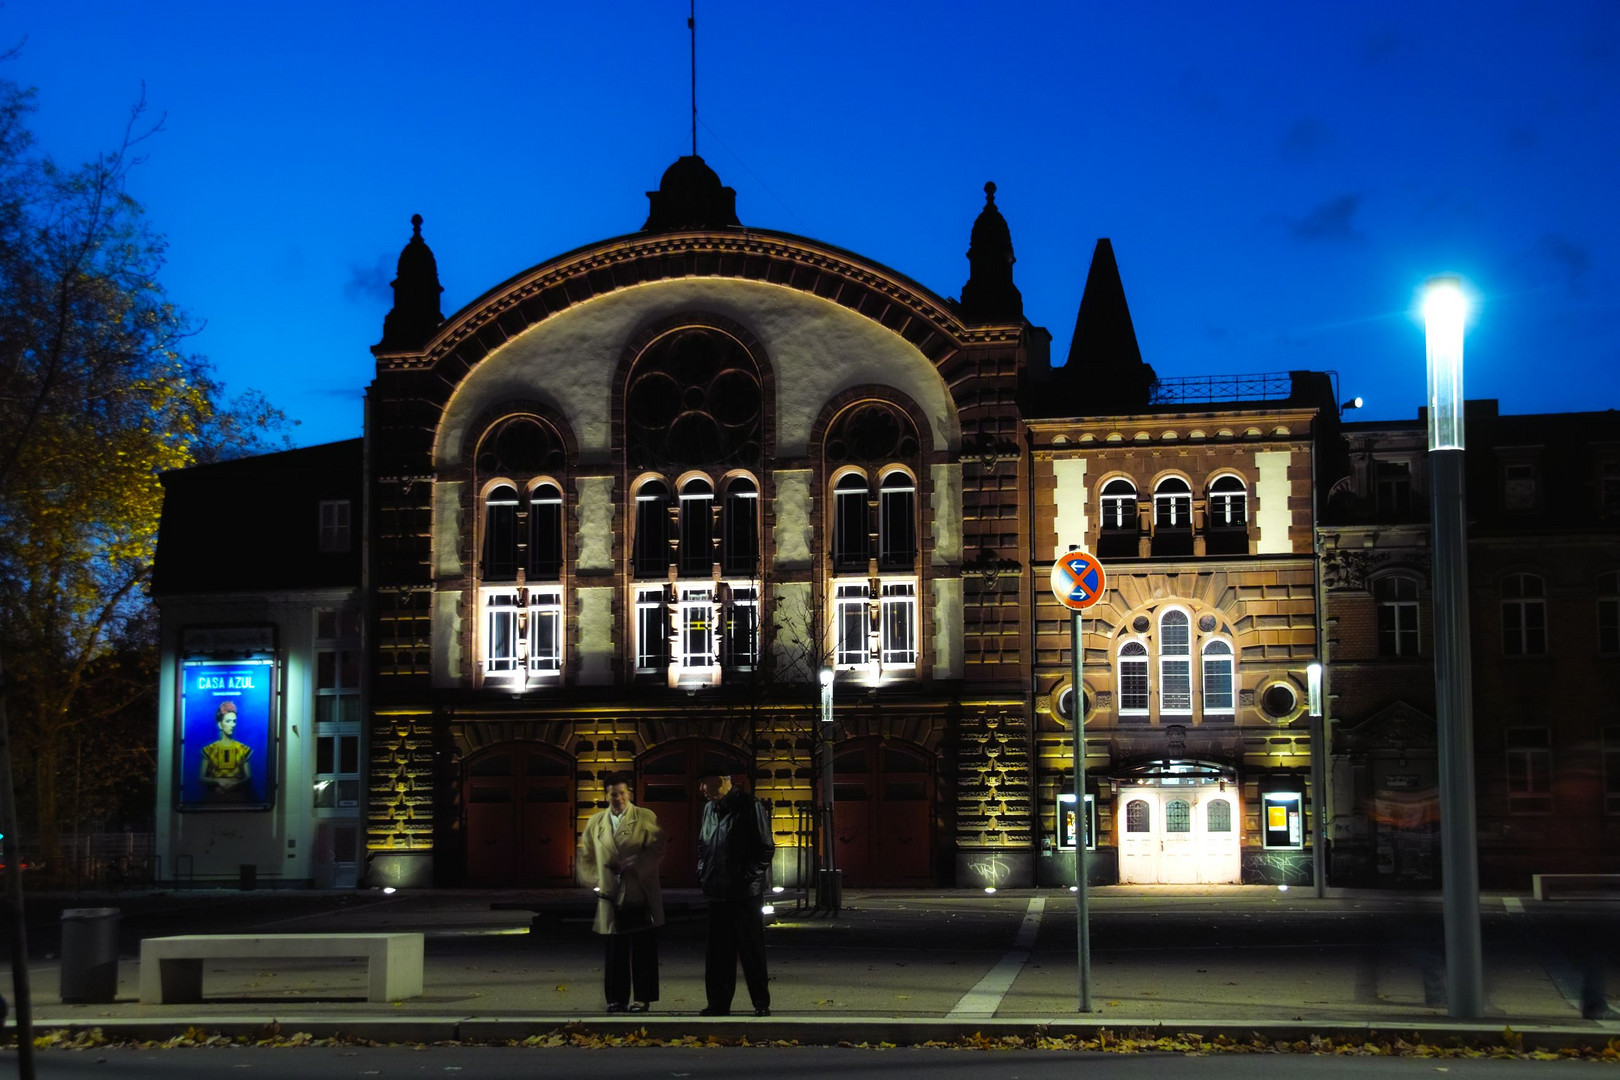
(1568, 259)
(1329, 221)
(1304, 140)
(370, 283)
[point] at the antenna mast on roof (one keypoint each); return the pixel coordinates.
(691, 24)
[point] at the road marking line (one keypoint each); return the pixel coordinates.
(1514, 905)
(985, 997)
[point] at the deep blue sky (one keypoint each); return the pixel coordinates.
(1277, 178)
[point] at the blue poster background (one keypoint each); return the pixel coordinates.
(210, 690)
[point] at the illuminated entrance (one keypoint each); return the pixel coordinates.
(883, 792)
(1180, 823)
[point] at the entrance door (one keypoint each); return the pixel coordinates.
(1219, 860)
(1139, 840)
(518, 803)
(883, 806)
(666, 784)
(1178, 852)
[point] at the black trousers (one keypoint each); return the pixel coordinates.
(631, 960)
(736, 932)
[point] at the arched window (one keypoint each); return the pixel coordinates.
(1396, 596)
(1133, 679)
(1175, 662)
(1228, 503)
(500, 533)
(1137, 819)
(651, 552)
(1218, 697)
(545, 532)
(1172, 504)
(1608, 613)
(1178, 816)
(697, 528)
(849, 523)
(1119, 505)
(1524, 615)
(1218, 816)
(897, 522)
(740, 538)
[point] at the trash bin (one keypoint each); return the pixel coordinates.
(89, 955)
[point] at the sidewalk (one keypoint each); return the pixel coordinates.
(896, 967)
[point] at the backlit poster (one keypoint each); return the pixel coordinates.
(226, 711)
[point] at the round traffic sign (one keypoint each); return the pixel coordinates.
(1078, 580)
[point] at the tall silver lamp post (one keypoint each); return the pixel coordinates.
(831, 899)
(1444, 312)
(1313, 675)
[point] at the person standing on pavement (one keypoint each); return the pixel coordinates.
(735, 848)
(618, 856)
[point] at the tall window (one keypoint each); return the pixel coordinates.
(741, 641)
(851, 621)
(1175, 663)
(1119, 505)
(1228, 503)
(899, 613)
(545, 532)
(897, 522)
(1392, 488)
(697, 529)
(651, 551)
(1396, 597)
(1519, 486)
(1608, 613)
(740, 539)
(503, 638)
(699, 639)
(1218, 696)
(337, 711)
(545, 631)
(1133, 679)
(1172, 504)
(849, 523)
(1524, 615)
(500, 533)
(652, 629)
(335, 536)
(1529, 770)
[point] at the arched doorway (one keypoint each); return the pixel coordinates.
(666, 784)
(883, 812)
(517, 801)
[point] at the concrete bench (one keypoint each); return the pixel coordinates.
(1575, 886)
(172, 967)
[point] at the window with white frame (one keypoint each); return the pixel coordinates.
(1608, 613)
(545, 555)
(698, 638)
(741, 638)
(544, 631)
(899, 616)
(897, 522)
(739, 548)
(1175, 662)
(1611, 769)
(1524, 615)
(503, 634)
(1529, 770)
(1218, 678)
(650, 550)
(335, 535)
(1519, 486)
(337, 712)
(1397, 598)
(500, 533)
(1228, 503)
(1133, 679)
(697, 529)
(851, 622)
(1392, 488)
(652, 629)
(1172, 504)
(850, 529)
(1119, 505)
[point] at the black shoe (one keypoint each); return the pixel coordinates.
(710, 1010)
(640, 1006)
(615, 1006)
(763, 1010)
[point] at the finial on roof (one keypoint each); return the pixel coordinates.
(415, 315)
(990, 295)
(989, 191)
(690, 196)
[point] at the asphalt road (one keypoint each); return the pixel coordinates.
(750, 1063)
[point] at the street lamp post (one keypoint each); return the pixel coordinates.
(830, 892)
(1444, 311)
(1313, 675)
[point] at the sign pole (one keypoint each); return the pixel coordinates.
(1082, 821)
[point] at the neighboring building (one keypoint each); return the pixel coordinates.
(621, 510)
(258, 587)
(1543, 501)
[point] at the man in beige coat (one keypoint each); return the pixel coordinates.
(618, 856)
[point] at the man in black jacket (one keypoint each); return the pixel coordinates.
(734, 856)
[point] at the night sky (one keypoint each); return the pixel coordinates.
(1278, 179)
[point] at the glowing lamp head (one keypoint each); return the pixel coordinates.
(826, 676)
(1444, 305)
(1445, 309)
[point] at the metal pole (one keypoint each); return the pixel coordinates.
(9, 846)
(1082, 822)
(1453, 692)
(831, 894)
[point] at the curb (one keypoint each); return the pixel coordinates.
(820, 1031)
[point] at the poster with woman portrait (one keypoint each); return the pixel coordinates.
(225, 734)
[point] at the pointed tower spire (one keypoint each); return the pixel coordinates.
(416, 313)
(990, 295)
(1104, 352)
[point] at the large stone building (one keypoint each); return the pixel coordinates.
(621, 511)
